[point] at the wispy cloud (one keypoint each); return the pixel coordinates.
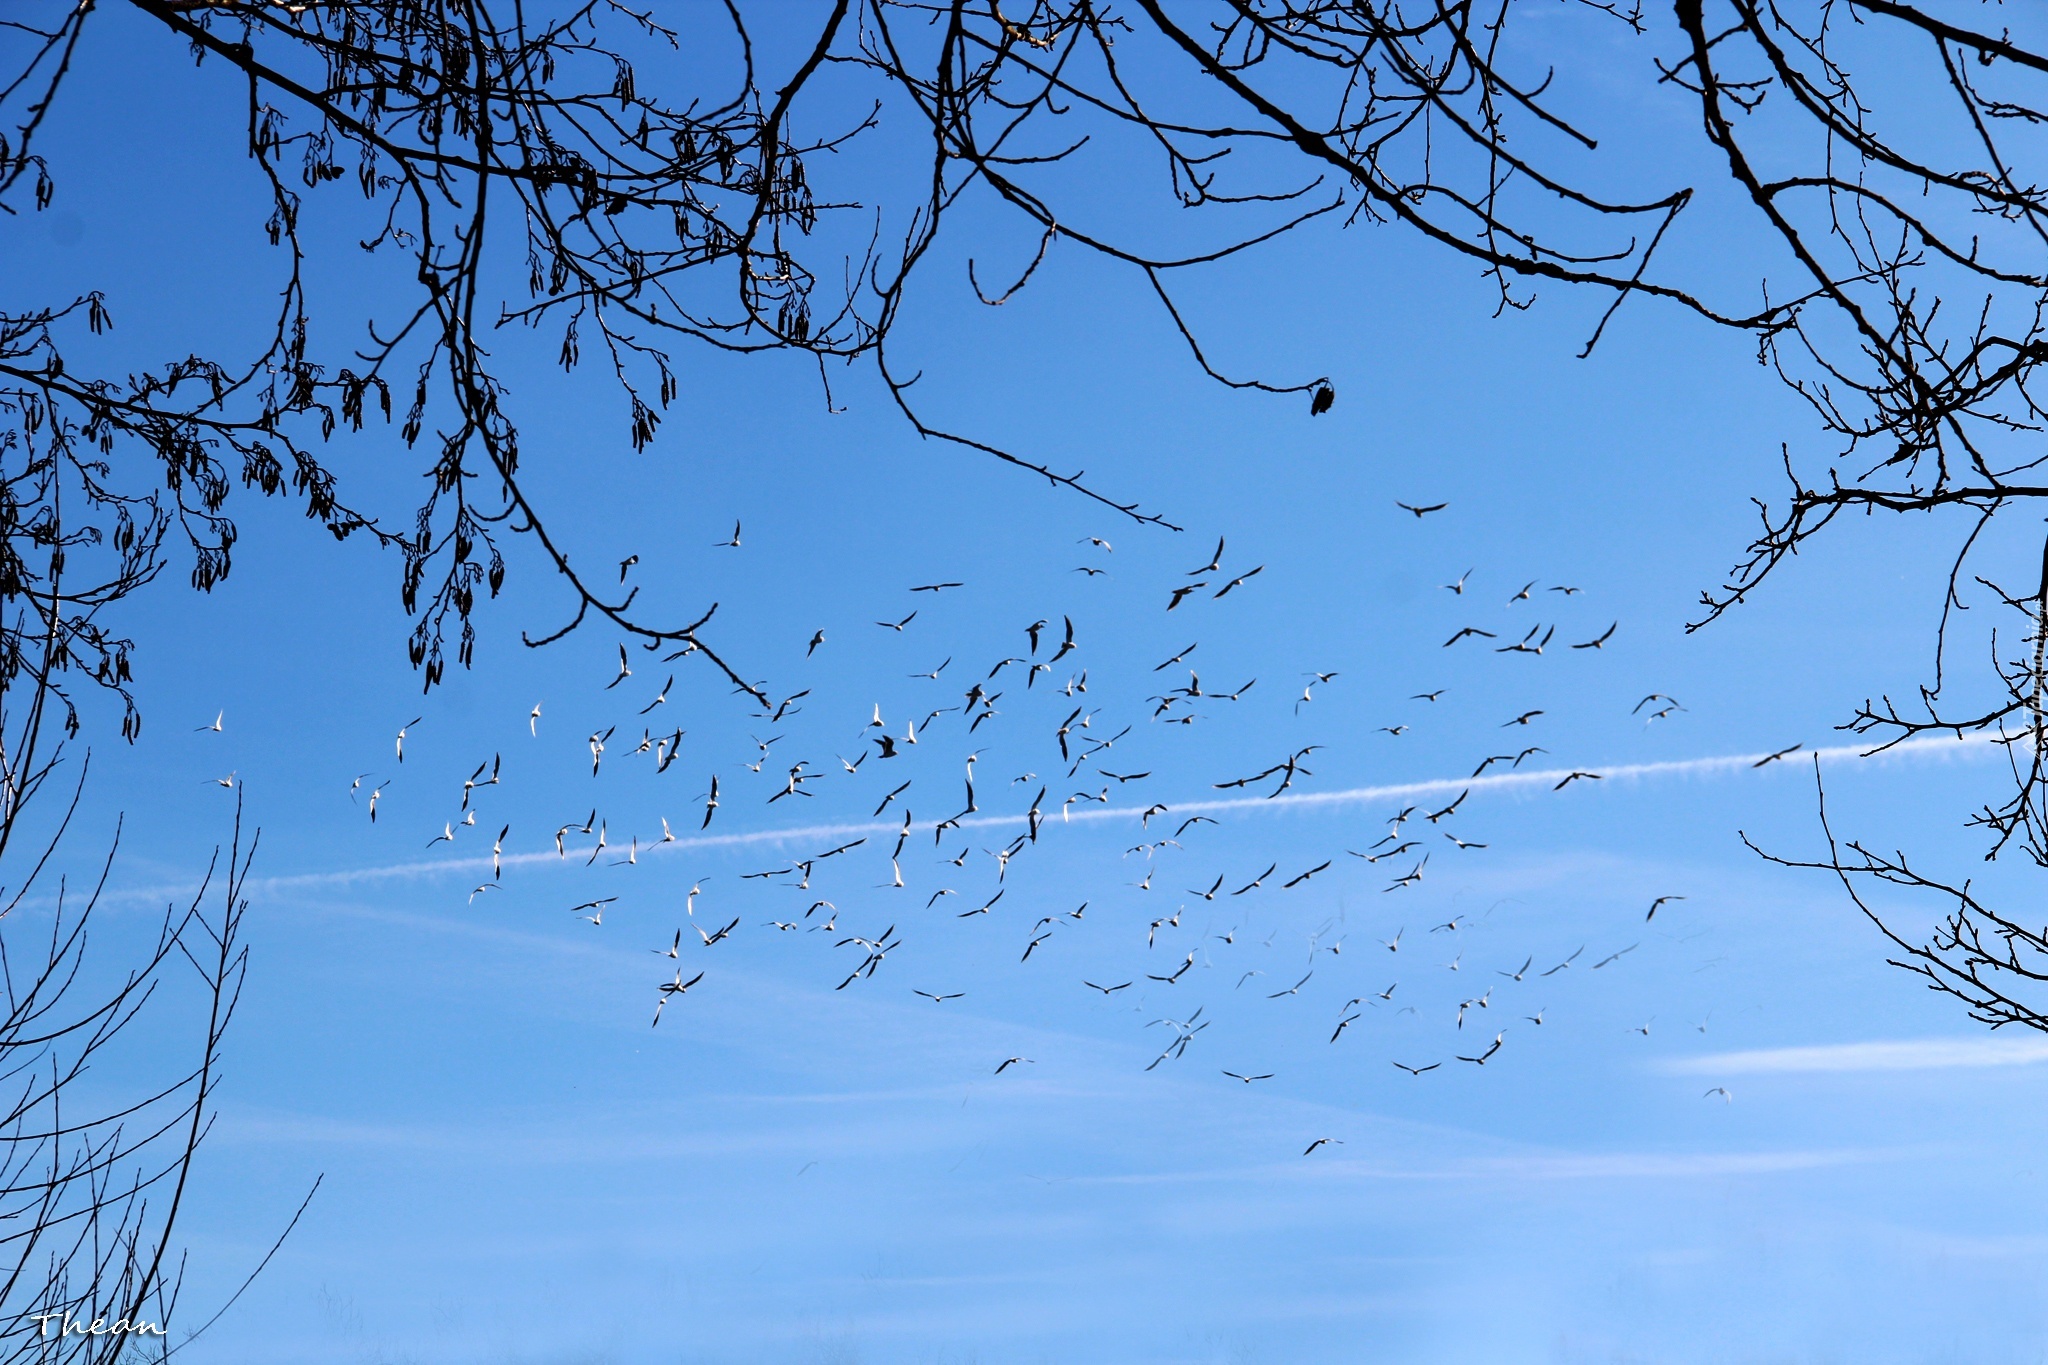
(1926, 1054)
(1665, 1165)
(1533, 1166)
(1720, 765)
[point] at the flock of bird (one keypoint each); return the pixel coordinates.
(1040, 701)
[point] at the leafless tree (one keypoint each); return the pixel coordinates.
(1881, 178)
(1919, 215)
(523, 174)
(91, 1188)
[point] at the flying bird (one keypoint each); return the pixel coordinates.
(1291, 990)
(1254, 884)
(1600, 639)
(1239, 579)
(1306, 875)
(661, 696)
(1066, 646)
(1434, 816)
(671, 989)
(1522, 646)
(1483, 1057)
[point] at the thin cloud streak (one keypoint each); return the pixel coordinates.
(1552, 1166)
(1724, 764)
(1926, 1054)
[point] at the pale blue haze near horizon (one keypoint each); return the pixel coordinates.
(517, 1168)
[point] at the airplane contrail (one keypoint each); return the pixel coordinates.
(1478, 786)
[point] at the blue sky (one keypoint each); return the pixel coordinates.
(517, 1167)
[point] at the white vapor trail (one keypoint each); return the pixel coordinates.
(1503, 782)
(1926, 1054)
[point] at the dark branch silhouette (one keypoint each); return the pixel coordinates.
(1880, 158)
